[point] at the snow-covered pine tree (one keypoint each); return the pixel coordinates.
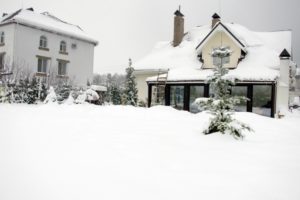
(222, 104)
(32, 91)
(115, 95)
(130, 86)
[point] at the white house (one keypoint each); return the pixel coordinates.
(175, 73)
(45, 46)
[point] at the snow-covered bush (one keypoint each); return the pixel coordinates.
(51, 97)
(70, 100)
(91, 95)
(81, 98)
(30, 91)
(222, 104)
(63, 92)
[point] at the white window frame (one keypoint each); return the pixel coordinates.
(42, 65)
(216, 60)
(2, 55)
(62, 68)
(63, 47)
(43, 42)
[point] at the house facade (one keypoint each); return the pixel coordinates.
(176, 73)
(45, 46)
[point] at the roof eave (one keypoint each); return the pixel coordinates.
(200, 45)
(13, 21)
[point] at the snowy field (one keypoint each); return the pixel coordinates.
(87, 152)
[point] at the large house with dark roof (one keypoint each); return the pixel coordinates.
(45, 46)
(175, 73)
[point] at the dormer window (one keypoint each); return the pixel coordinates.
(2, 38)
(43, 43)
(221, 60)
(63, 47)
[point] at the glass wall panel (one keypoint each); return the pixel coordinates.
(177, 97)
(262, 99)
(195, 92)
(158, 95)
(240, 91)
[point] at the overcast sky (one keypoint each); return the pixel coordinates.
(130, 28)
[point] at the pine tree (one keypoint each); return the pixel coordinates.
(115, 94)
(222, 104)
(130, 86)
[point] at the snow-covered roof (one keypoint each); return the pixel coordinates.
(48, 22)
(260, 64)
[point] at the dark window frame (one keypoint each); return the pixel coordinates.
(249, 87)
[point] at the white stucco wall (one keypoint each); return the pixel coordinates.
(26, 50)
(282, 94)
(8, 46)
(142, 84)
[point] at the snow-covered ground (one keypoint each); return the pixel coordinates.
(62, 152)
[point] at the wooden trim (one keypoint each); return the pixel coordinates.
(220, 24)
(273, 96)
(62, 60)
(43, 49)
(43, 57)
(149, 95)
(206, 90)
(167, 95)
(63, 53)
(186, 97)
(250, 97)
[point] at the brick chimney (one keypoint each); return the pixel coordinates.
(178, 27)
(215, 19)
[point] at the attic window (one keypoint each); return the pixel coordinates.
(2, 38)
(74, 46)
(43, 42)
(63, 47)
(217, 60)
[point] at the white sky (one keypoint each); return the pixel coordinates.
(130, 28)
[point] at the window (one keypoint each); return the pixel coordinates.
(1, 62)
(43, 42)
(158, 95)
(62, 68)
(217, 61)
(240, 91)
(195, 92)
(42, 65)
(177, 97)
(262, 99)
(2, 38)
(63, 47)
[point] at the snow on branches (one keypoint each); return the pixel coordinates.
(221, 104)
